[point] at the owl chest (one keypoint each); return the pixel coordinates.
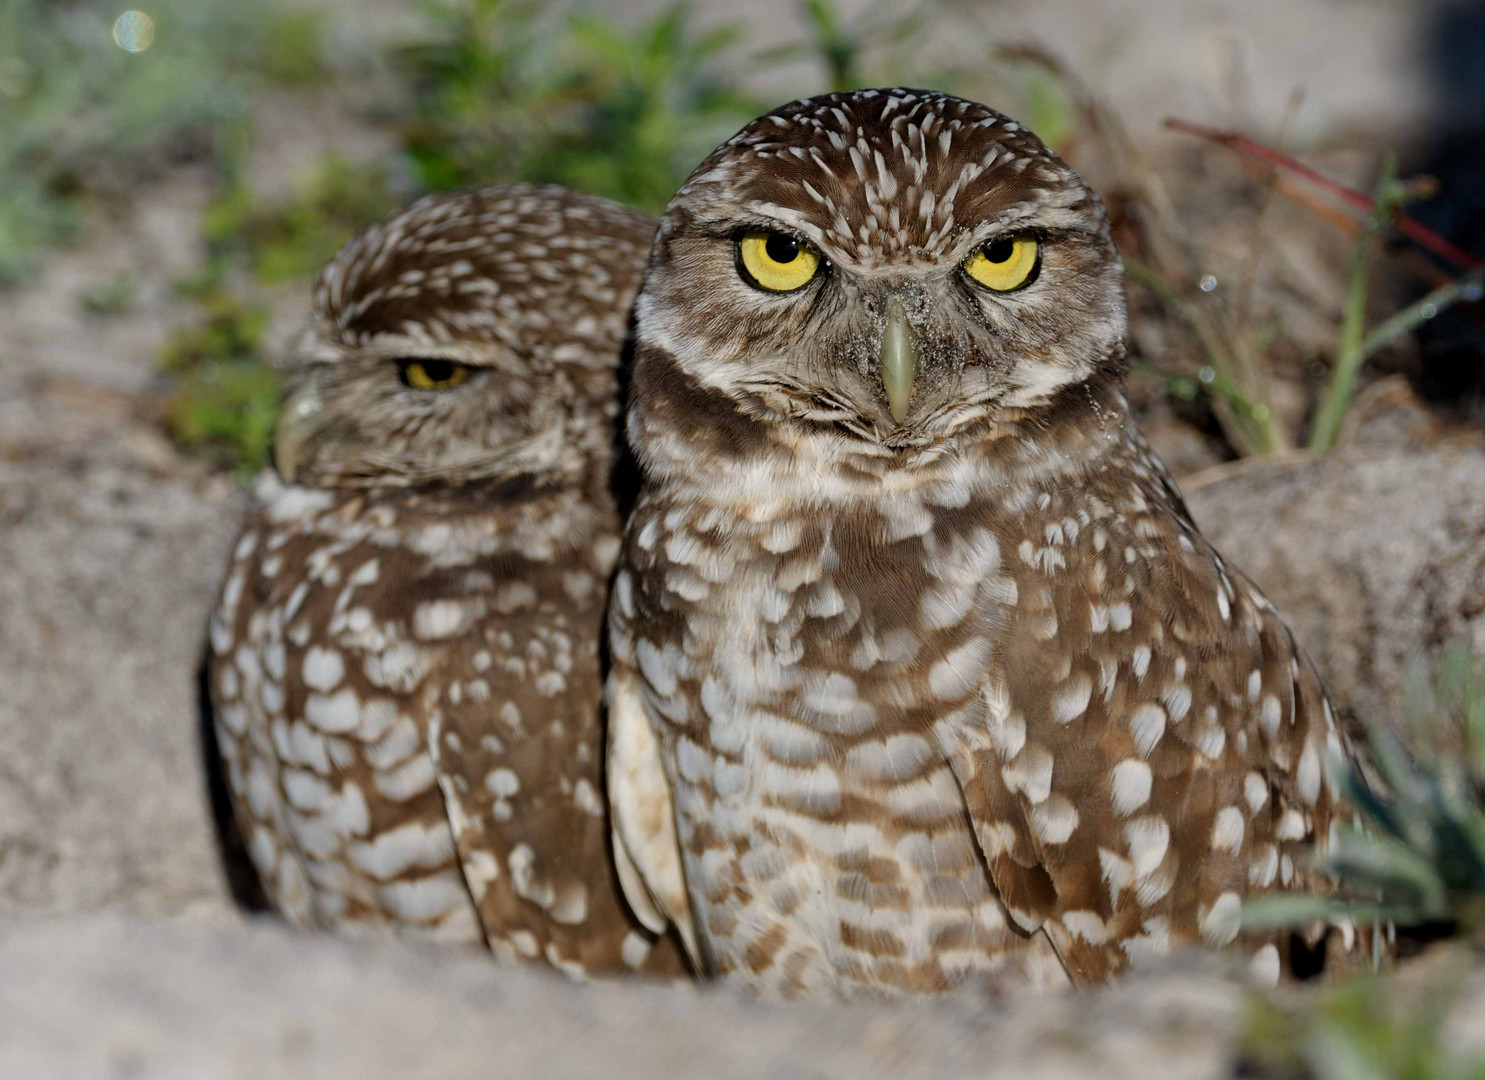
(825, 831)
(828, 848)
(840, 629)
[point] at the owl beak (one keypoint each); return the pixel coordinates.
(299, 421)
(898, 358)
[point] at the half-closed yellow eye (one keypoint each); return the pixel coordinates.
(776, 261)
(1007, 263)
(432, 374)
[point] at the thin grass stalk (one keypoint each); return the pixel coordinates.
(1469, 287)
(1349, 356)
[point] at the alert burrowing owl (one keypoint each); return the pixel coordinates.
(921, 669)
(405, 664)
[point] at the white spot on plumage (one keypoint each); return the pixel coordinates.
(400, 743)
(657, 665)
(400, 666)
(961, 670)
(1131, 782)
(928, 799)
(438, 619)
(585, 798)
(1291, 826)
(275, 660)
(246, 544)
(1087, 925)
(1054, 820)
(1007, 729)
(323, 668)
(335, 713)
(1264, 969)
(1227, 830)
(1148, 839)
(1070, 700)
(897, 757)
(1269, 716)
(1177, 700)
(1263, 867)
(502, 783)
(425, 899)
(635, 949)
(1220, 923)
(408, 780)
(395, 851)
(1308, 774)
(1030, 773)
(1117, 871)
(1255, 790)
(1147, 726)
(291, 503)
(570, 907)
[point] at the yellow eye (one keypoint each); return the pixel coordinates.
(776, 261)
(1007, 263)
(432, 374)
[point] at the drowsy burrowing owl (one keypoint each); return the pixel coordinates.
(405, 658)
(921, 669)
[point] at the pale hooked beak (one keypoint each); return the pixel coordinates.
(898, 358)
(299, 421)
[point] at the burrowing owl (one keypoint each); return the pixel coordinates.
(921, 669)
(405, 657)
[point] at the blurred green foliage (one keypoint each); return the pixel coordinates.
(82, 119)
(637, 109)
(475, 76)
(291, 240)
(83, 123)
(1049, 108)
(1362, 1029)
(114, 297)
(513, 90)
(878, 46)
(291, 53)
(226, 399)
(503, 93)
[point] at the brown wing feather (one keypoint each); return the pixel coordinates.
(521, 763)
(413, 741)
(319, 691)
(1153, 741)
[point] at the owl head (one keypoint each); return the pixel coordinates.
(468, 337)
(882, 268)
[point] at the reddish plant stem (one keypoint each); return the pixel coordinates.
(1412, 229)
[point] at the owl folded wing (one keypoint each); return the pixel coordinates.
(646, 849)
(517, 744)
(1135, 774)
